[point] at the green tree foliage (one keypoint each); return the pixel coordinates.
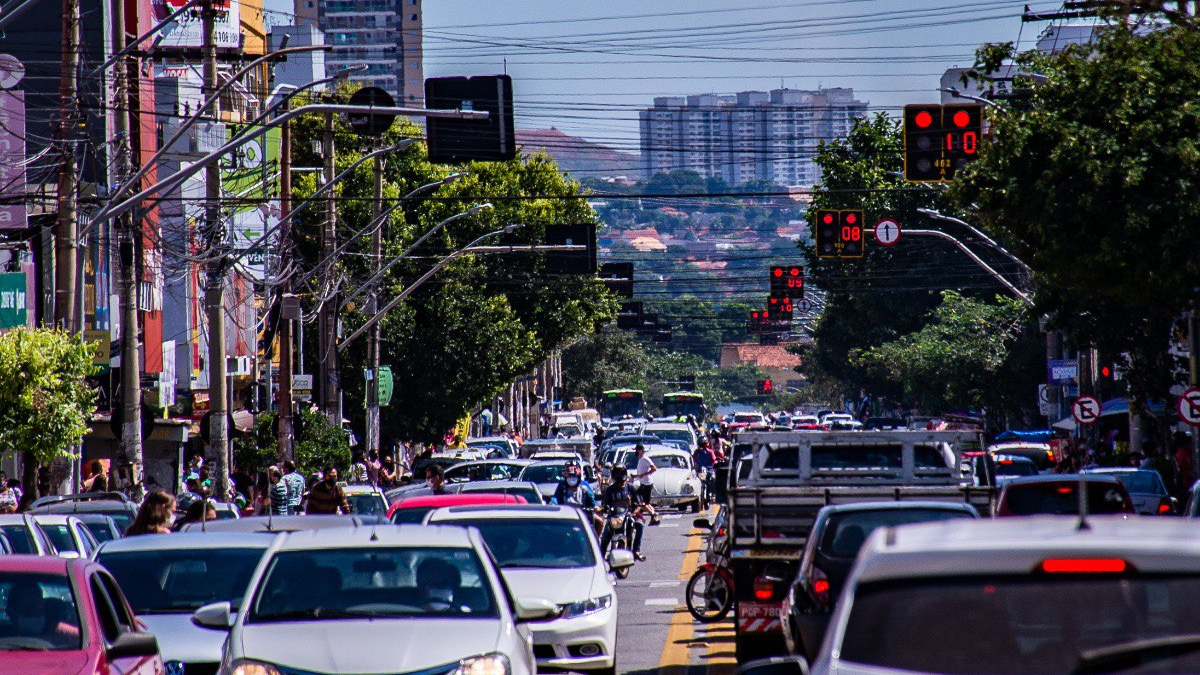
(1095, 181)
(45, 403)
(318, 444)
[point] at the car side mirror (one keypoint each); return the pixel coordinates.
(218, 616)
(132, 644)
(775, 665)
(702, 523)
(620, 558)
(536, 609)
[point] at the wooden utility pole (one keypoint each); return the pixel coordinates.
(286, 449)
(327, 320)
(66, 229)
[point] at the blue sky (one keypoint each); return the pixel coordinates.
(585, 68)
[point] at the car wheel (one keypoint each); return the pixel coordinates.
(696, 506)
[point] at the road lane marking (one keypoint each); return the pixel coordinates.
(664, 584)
(677, 653)
(662, 602)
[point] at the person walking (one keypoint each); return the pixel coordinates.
(435, 476)
(327, 497)
(155, 516)
(8, 498)
(277, 493)
(358, 469)
(295, 486)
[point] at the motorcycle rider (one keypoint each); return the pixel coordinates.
(620, 495)
(573, 491)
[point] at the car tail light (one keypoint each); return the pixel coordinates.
(1050, 456)
(1065, 490)
(1164, 508)
(764, 588)
(721, 531)
(820, 586)
(1084, 566)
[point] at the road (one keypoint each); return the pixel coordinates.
(655, 633)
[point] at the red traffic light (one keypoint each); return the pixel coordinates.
(795, 271)
(923, 119)
(1105, 371)
(828, 218)
(961, 118)
(851, 218)
(778, 271)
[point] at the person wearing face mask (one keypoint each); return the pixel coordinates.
(573, 491)
(435, 478)
(438, 582)
(155, 516)
(27, 605)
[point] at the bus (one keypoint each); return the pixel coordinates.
(618, 403)
(684, 403)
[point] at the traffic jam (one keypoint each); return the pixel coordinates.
(825, 544)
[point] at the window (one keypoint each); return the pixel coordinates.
(412, 17)
(180, 581)
(38, 612)
(109, 624)
(846, 532)
(530, 543)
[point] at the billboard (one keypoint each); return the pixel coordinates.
(13, 301)
(186, 31)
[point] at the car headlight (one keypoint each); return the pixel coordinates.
(487, 664)
(245, 667)
(687, 489)
(586, 606)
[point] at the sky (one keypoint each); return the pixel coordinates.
(586, 68)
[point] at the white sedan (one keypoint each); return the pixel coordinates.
(675, 481)
(377, 600)
(551, 551)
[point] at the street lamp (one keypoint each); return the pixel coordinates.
(931, 213)
(958, 94)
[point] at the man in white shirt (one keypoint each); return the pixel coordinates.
(642, 482)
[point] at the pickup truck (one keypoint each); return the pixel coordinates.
(792, 474)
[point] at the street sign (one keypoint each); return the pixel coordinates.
(887, 232)
(1085, 410)
(1044, 400)
(386, 384)
(1061, 371)
(1189, 406)
(302, 387)
(371, 124)
(804, 306)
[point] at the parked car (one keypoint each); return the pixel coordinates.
(487, 469)
(552, 552)
(167, 578)
(115, 505)
(837, 534)
(413, 510)
(69, 536)
(502, 446)
(24, 535)
(1146, 488)
(1059, 494)
(404, 599)
(69, 616)
(277, 524)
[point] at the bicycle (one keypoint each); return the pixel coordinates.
(709, 592)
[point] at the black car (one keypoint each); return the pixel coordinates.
(837, 534)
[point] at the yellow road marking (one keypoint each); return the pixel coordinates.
(676, 654)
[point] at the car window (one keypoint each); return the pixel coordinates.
(1063, 498)
(1018, 624)
(530, 542)
(110, 624)
(1142, 481)
(179, 581)
(19, 538)
(845, 532)
(543, 473)
(60, 536)
(331, 584)
(124, 617)
(1011, 468)
(670, 462)
(410, 516)
(86, 540)
(530, 495)
(38, 612)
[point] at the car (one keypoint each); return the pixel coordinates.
(508, 447)
(276, 524)
(70, 537)
(102, 526)
(1035, 595)
(487, 469)
(1146, 488)
(837, 534)
(833, 418)
(674, 479)
(405, 599)
(1041, 453)
(418, 469)
(673, 431)
(24, 535)
(115, 505)
(885, 424)
(1004, 469)
(549, 473)
(167, 578)
(5, 547)
(523, 489)
(583, 448)
(1059, 494)
(366, 500)
(552, 552)
(618, 442)
(68, 615)
(413, 510)
(743, 420)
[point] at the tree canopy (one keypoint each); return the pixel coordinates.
(45, 403)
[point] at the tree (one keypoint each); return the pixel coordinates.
(608, 359)
(1095, 181)
(45, 403)
(318, 444)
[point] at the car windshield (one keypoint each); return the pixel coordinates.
(543, 473)
(19, 538)
(551, 543)
(1145, 482)
(358, 583)
(122, 519)
(176, 581)
(1018, 624)
(669, 461)
(101, 531)
(529, 494)
(59, 536)
(414, 515)
(367, 504)
(1011, 468)
(1063, 498)
(674, 435)
(845, 532)
(38, 612)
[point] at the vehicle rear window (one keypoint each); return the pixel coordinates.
(1023, 624)
(101, 531)
(530, 495)
(367, 504)
(170, 581)
(60, 536)
(1142, 481)
(551, 543)
(846, 532)
(834, 457)
(1063, 498)
(1015, 469)
(19, 538)
(415, 515)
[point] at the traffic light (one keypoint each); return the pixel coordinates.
(963, 127)
(850, 233)
(618, 278)
(826, 233)
(454, 141)
(778, 281)
(923, 143)
(787, 281)
(779, 309)
(765, 386)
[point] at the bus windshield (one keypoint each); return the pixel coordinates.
(676, 405)
(624, 403)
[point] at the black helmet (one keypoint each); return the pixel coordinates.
(619, 473)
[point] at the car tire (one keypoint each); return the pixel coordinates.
(696, 506)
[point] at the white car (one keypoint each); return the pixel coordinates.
(501, 446)
(389, 599)
(675, 481)
(366, 500)
(836, 418)
(70, 537)
(552, 552)
(672, 431)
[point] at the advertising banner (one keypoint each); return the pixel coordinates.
(186, 31)
(13, 308)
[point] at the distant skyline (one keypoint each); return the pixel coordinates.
(587, 73)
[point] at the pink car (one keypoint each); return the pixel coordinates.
(69, 616)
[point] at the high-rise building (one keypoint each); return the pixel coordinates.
(753, 135)
(385, 35)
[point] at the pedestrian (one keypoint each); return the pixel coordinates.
(13, 486)
(373, 465)
(327, 497)
(643, 484)
(388, 474)
(295, 486)
(155, 516)
(8, 497)
(190, 494)
(358, 469)
(435, 478)
(485, 422)
(98, 482)
(277, 492)
(199, 512)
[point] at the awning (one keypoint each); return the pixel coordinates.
(1111, 408)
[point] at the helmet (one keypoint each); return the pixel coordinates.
(572, 470)
(619, 472)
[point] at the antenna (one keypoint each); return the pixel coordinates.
(1083, 503)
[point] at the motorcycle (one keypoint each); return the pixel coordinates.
(618, 528)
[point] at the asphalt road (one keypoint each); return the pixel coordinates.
(655, 633)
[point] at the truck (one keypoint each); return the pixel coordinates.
(791, 475)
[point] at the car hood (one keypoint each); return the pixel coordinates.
(369, 646)
(670, 481)
(181, 640)
(42, 663)
(561, 587)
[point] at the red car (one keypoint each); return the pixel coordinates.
(414, 509)
(69, 616)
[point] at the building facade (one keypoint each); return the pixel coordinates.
(753, 135)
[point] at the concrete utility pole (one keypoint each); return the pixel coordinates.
(66, 228)
(286, 449)
(131, 367)
(373, 346)
(214, 292)
(327, 319)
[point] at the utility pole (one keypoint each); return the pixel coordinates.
(327, 320)
(214, 292)
(131, 367)
(285, 320)
(1193, 338)
(373, 344)
(66, 228)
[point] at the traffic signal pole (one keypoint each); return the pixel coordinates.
(327, 361)
(286, 448)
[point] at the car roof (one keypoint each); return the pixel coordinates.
(659, 451)
(1060, 478)
(459, 499)
(490, 439)
(667, 426)
(11, 518)
(555, 461)
(1000, 447)
(192, 539)
(1020, 545)
(361, 488)
(273, 524)
(1117, 469)
(924, 505)
(530, 511)
(477, 485)
(53, 518)
(483, 462)
(46, 564)
(1015, 459)
(384, 535)
(86, 506)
